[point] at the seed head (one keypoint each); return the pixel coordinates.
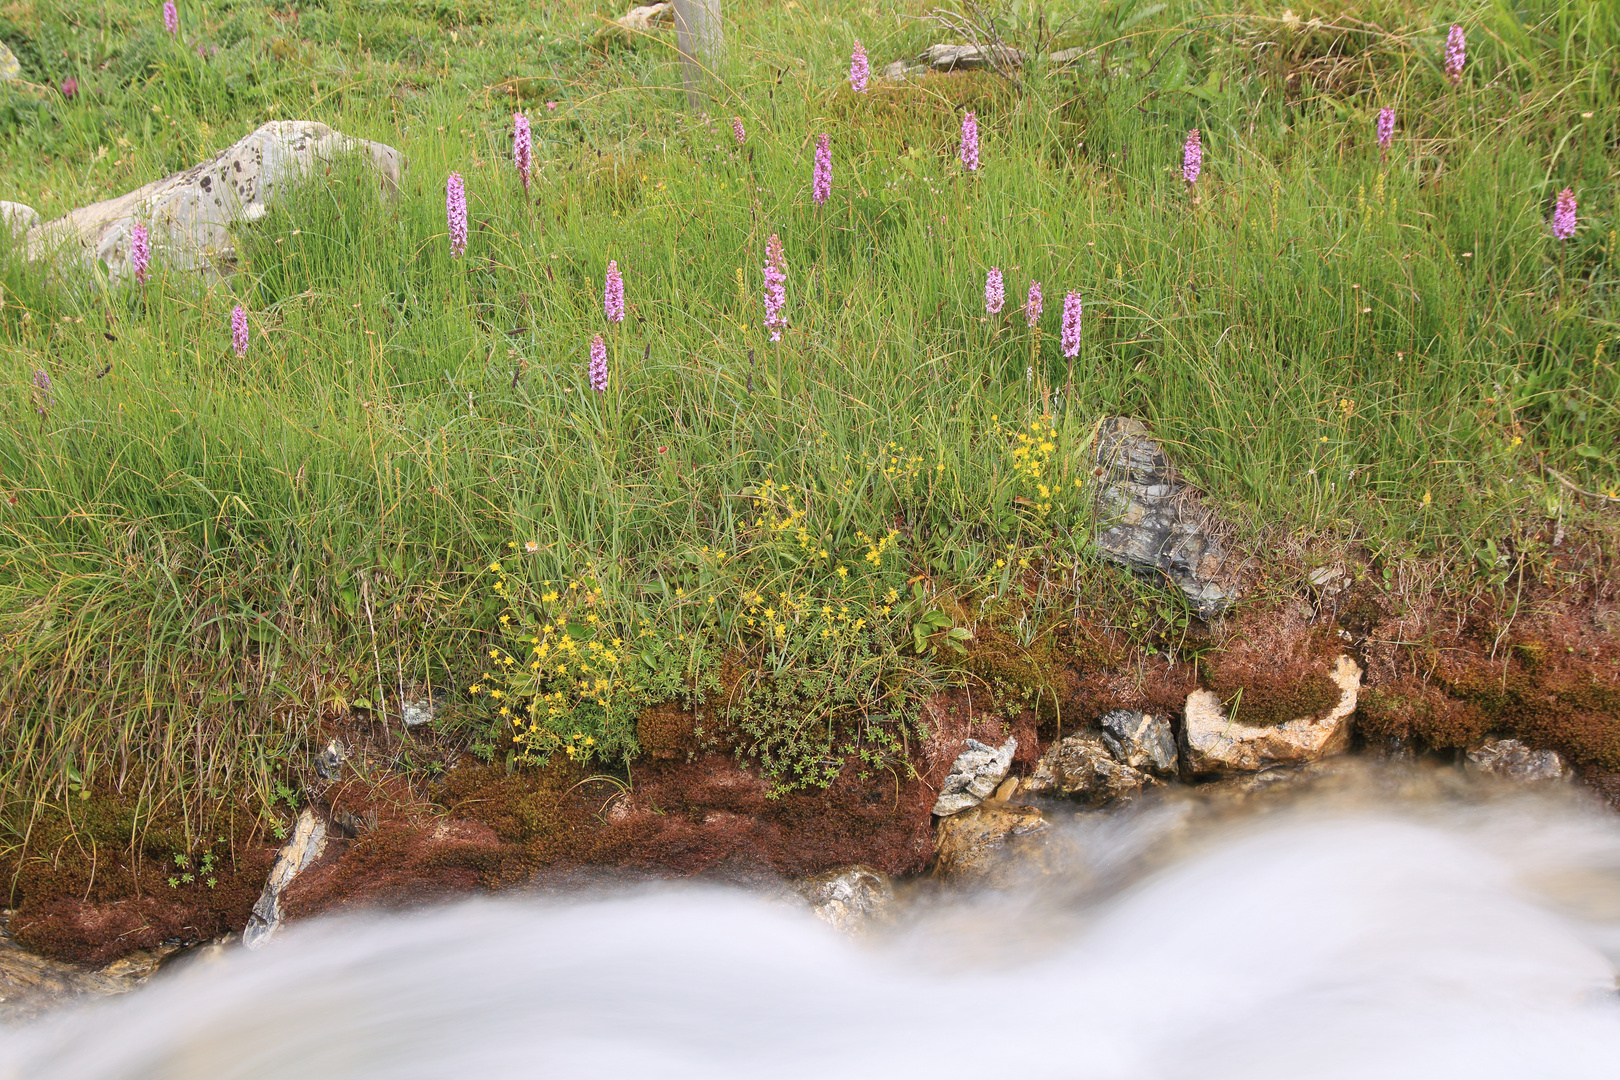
(1192, 157)
(970, 142)
(522, 147)
(613, 293)
(1563, 221)
(995, 291)
(1071, 325)
(821, 182)
(1032, 304)
(859, 70)
(1456, 54)
(455, 212)
(598, 370)
(239, 330)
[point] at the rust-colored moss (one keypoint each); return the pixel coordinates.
(1411, 711)
(667, 732)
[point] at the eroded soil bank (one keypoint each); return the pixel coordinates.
(1538, 661)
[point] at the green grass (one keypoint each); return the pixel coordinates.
(199, 553)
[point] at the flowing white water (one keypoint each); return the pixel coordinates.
(1373, 933)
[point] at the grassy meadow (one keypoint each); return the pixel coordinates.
(407, 485)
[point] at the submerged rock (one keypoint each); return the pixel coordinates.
(1081, 767)
(303, 847)
(189, 215)
(991, 844)
(848, 898)
(1213, 743)
(17, 218)
(1151, 519)
(1513, 760)
(974, 775)
(1142, 741)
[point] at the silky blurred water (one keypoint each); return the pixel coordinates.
(1389, 922)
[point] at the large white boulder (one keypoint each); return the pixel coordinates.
(189, 215)
(1214, 743)
(17, 218)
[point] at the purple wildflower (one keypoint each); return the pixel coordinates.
(522, 147)
(598, 368)
(1032, 304)
(140, 252)
(995, 291)
(970, 142)
(821, 182)
(43, 398)
(775, 287)
(1192, 157)
(737, 131)
(1386, 127)
(859, 70)
(70, 88)
(455, 212)
(613, 293)
(171, 17)
(239, 330)
(1071, 325)
(1456, 54)
(1563, 223)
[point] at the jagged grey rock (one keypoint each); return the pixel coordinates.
(1513, 760)
(1082, 768)
(303, 847)
(189, 215)
(18, 218)
(1151, 520)
(848, 898)
(974, 775)
(1212, 743)
(1140, 740)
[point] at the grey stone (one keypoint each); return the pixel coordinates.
(18, 218)
(1152, 521)
(1330, 580)
(9, 67)
(417, 713)
(1213, 744)
(189, 215)
(947, 57)
(303, 847)
(1140, 740)
(974, 775)
(329, 761)
(1513, 760)
(850, 898)
(636, 25)
(1082, 768)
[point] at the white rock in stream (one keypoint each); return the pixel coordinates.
(849, 898)
(974, 775)
(1513, 760)
(303, 847)
(189, 215)
(1213, 743)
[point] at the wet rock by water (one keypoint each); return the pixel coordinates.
(1513, 760)
(1081, 767)
(850, 898)
(1215, 743)
(975, 773)
(991, 844)
(1140, 740)
(303, 847)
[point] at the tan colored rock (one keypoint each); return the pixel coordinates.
(1212, 743)
(992, 844)
(18, 218)
(1082, 768)
(189, 215)
(303, 847)
(850, 898)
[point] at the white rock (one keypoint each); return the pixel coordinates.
(1513, 760)
(1213, 743)
(189, 215)
(416, 713)
(848, 898)
(303, 847)
(9, 67)
(18, 218)
(648, 17)
(974, 775)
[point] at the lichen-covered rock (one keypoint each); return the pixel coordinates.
(1082, 768)
(303, 847)
(1140, 740)
(9, 67)
(1151, 520)
(850, 898)
(1513, 760)
(18, 218)
(974, 774)
(1213, 743)
(189, 215)
(992, 844)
